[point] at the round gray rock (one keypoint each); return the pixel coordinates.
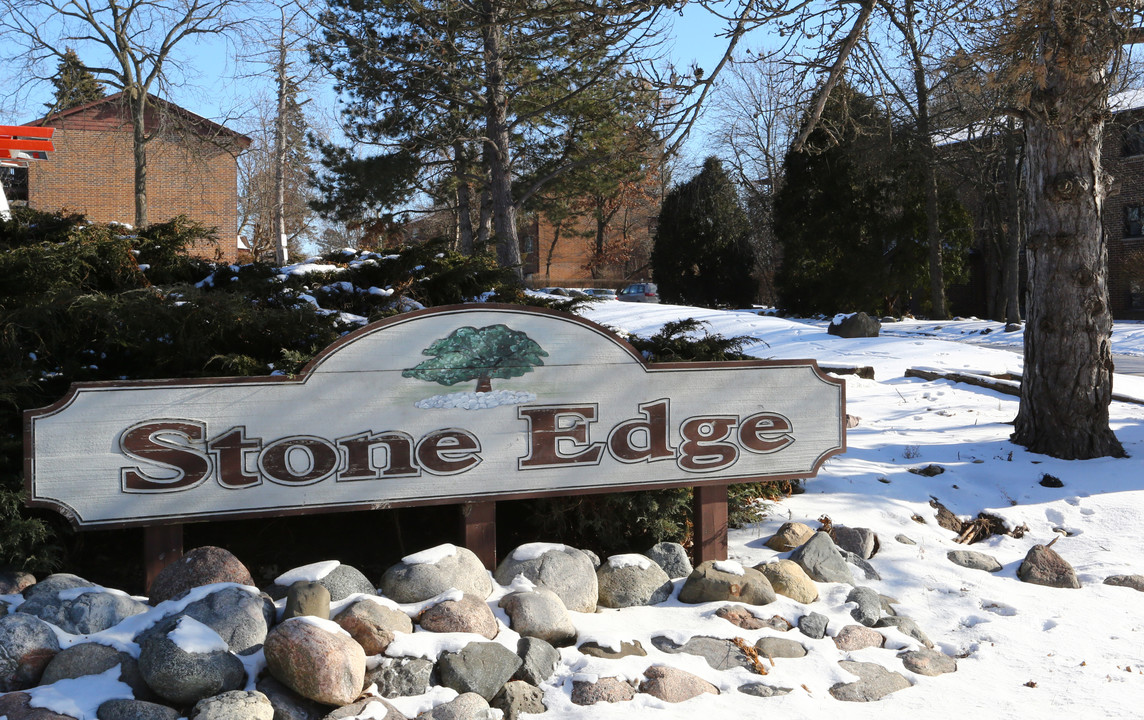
(606, 689)
(234, 705)
(470, 614)
(400, 677)
(87, 614)
(289, 705)
(53, 584)
(928, 662)
(813, 625)
(822, 561)
(974, 560)
(346, 580)
(707, 583)
(27, 645)
(135, 710)
(564, 570)
(863, 542)
(907, 626)
(417, 582)
(538, 660)
(672, 557)
(540, 613)
(1136, 582)
(632, 580)
(92, 659)
(869, 603)
(857, 637)
(185, 678)
(517, 698)
(240, 617)
(774, 647)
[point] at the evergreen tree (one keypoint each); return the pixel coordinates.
(75, 84)
(702, 253)
(850, 216)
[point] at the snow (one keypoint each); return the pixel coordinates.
(307, 573)
(193, 636)
(642, 562)
(81, 697)
(531, 551)
(432, 556)
(1022, 650)
(730, 567)
(321, 623)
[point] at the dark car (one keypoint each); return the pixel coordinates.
(639, 292)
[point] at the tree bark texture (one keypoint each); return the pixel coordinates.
(137, 106)
(499, 153)
(1067, 383)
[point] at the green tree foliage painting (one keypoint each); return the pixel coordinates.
(481, 354)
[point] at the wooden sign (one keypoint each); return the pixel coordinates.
(461, 404)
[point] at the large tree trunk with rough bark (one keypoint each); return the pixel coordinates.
(498, 152)
(137, 106)
(1067, 383)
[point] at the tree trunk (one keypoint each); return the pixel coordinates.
(281, 249)
(1067, 382)
(137, 106)
(464, 200)
(484, 384)
(497, 140)
(1014, 231)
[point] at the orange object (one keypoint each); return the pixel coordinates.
(22, 143)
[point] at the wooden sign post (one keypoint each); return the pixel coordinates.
(466, 405)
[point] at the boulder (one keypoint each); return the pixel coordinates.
(307, 598)
(672, 557)
(863, 542)
(906, 626)
(874, 682)
(540, 613)
(92, 659)
(373, 625)
(372, 708)
(240, 617)
(480, 667)
(789, 579)
(346, 580)
(774, 647)
(517, 698)
(13, 582)
(287, 704)
(564, 570)
(632, 580)
(28, 644)
(400, 677)
(928, 662)
(864, 565)
(202, 566)
(470, 614)
(626, 649)
(316, 659)
(673, 685)
(185, 676)
(719, 653)
(234, 705)
(1043, 566)
(789, 536)
(740, 616)
(53, 584)
(821, 560)
(1136, 582)
(813, 625)
(858, 325)
(135, 710)
(82, 613)
(720, 580)
(857, 637)
(466, 706)
(974, 560)
(538, 660)
(763, 690)
(869, 605)
(426, 575)
(606, 689)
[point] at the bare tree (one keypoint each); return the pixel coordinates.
(137, 39)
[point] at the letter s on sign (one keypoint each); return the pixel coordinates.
(174, 445)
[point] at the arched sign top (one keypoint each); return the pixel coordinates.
(462, 403)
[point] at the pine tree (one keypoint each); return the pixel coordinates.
(702, 253)
(75, 84)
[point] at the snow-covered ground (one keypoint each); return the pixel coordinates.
(1024, 651)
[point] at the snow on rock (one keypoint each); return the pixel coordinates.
(307, 573)
(194, 637)
(328, 625)
(630, 560)
(432, 556)
(730, 567)
(534, 550)
(81, 697)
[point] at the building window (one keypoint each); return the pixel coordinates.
(1134, 221)
(1134, 139)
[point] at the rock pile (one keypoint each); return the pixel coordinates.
(323, 643)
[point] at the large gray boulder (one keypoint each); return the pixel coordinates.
(27, 645)
(564, 570)
(135, 710)
(858, 325)
(77, 612)
(720, 653)
(539, 613)
(469, 614)
(466, 706)
(672, 557)
(974, 560)
(316, 659)
(53, 584)
(863, 542)
(721, 580)
(346, 580)
(822, 561)
(869, 605)
(518, 698)
(185, 676)
(427, 574)
(400, 677)
(205, 565)
(240, 617)
(538, 660)
(289, 705)
(632, 580)
(480, 667)
(91, 658)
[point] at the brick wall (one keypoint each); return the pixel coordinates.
(92, 172)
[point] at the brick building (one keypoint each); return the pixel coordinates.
(192, 169)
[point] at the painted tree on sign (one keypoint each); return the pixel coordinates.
(481, 354)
